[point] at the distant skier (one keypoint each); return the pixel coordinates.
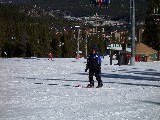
(94, 66)
(5, 54)
(50, 56)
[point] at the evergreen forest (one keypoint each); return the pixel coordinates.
(38, 28)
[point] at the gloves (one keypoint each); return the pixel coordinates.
(86, 68)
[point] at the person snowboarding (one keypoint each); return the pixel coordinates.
(94, 66)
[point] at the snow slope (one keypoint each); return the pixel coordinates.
(41, 89)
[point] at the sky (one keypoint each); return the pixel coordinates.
(42, 89)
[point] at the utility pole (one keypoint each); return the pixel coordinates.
(78, 39)
(78, 56)
(96, 23)
(132, 9)
(86, 44)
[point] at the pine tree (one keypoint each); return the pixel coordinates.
(152, 29)
(56, 45)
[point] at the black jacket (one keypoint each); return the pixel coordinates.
(93, 61)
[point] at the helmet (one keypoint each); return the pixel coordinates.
(95, 47)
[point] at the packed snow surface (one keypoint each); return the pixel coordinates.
(42, 89)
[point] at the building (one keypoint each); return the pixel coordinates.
(145, 53)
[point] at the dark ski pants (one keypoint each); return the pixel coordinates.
(97, 74)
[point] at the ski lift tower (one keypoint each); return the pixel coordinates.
(132, 17)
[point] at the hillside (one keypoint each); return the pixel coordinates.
(117, 9)
(27, 27)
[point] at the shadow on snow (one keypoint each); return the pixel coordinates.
(130, 77)
(122, 77)
(150, 102)
(104, 75)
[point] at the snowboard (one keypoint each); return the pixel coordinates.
(81, 86)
